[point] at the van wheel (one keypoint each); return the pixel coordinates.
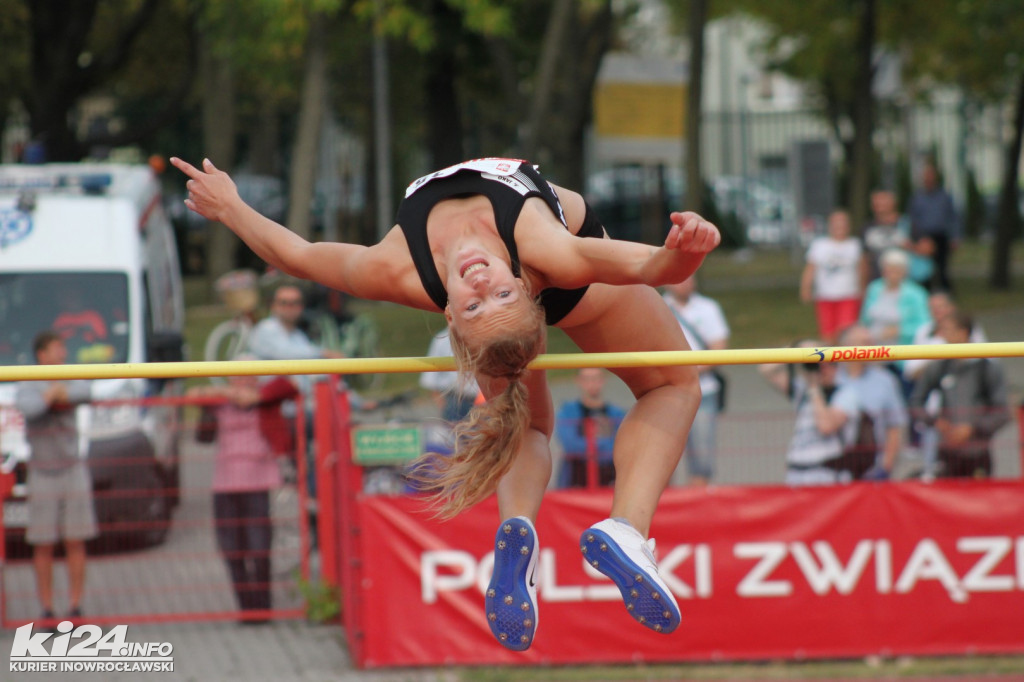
(157, 513)
(170, 475)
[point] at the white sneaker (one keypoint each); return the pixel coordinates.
(510, 602)
(619, 551)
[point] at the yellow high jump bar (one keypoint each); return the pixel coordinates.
(736, 356)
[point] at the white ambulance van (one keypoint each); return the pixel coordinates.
(87, 250)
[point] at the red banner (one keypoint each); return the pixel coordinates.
(759, 573)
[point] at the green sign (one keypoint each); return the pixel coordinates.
(374, 446)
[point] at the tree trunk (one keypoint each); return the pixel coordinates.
(694, 99)
(302, 178)
(508, 78)
(555, 36)
(561, 138)
(265, 141)
(59, 32)
(863, 123)
(59, 78)
(444, 118)
(1008, 222)
(219, 121)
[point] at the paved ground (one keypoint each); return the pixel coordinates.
(294, 651)
(219, 652)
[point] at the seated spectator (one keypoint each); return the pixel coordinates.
(881, 398)
(972, 404)
(923, 436)
(894, 307)
(249, 433)
(589, 416)
(826, 418)
(940, 306)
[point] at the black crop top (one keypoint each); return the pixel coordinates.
(507, 183)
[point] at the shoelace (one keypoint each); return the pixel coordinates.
(651, 552)
(647, 547)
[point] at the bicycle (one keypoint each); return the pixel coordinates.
(285, 510)
(239, 292)
(354, 336)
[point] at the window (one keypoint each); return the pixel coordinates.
(88, 309)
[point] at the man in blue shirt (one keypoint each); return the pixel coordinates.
(933, 216)
(881, 396)
(590, 417)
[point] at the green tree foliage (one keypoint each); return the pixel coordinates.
(465, 77)
(474, 68)
(972, 45)
(13, 55)
(69, 50)
(830, 46)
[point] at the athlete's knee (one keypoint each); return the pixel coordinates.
(686, 380)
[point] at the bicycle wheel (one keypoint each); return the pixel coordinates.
(286, 547)
(357, 338)
(360, 339)
(226, 341)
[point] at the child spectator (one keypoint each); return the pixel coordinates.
(834, 277)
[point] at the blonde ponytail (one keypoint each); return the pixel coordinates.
(488, 439)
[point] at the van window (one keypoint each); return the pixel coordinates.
(88, 309)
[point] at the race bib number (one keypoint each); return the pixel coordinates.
(499, 168)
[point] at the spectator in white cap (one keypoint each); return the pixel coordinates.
(894, 307)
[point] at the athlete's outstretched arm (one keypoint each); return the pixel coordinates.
(571, 262)
(359, 270)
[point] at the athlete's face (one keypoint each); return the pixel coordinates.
(483, 294)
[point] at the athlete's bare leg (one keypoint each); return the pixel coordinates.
(510, 602)
(521, 490)
(653, 435)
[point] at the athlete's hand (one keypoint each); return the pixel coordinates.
(210, 191)
(692, 234)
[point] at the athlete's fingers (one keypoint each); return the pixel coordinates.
(716, 237)
(688, 232)
(185, 167)
(702, 236)
(672, 239)
(709, 238)
(208, 166)
(690, 222)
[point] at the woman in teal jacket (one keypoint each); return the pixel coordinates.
(894, 307)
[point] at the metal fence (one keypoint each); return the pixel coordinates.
(168, 565)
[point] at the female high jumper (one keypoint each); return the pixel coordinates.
(503, 253)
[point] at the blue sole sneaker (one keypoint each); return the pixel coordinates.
(510, 603)
(620, 552)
